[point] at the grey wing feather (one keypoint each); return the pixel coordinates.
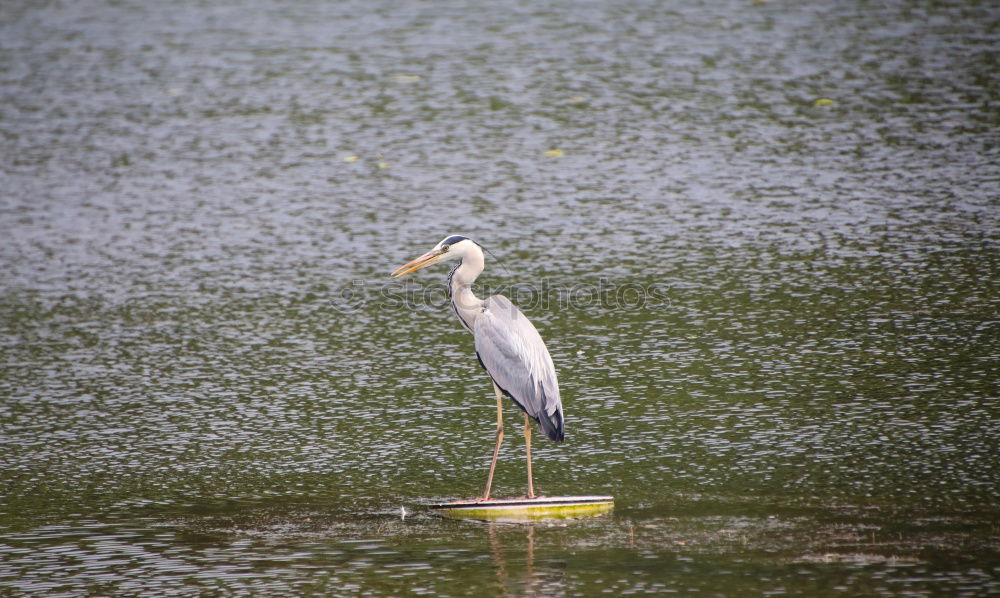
(513, 353)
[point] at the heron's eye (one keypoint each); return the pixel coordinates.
(444, 249)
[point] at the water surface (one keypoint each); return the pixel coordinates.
(209, 383)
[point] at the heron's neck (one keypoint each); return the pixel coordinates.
(467, 305)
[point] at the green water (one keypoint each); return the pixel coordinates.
(775, 323)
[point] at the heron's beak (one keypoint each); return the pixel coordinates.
(427, 259)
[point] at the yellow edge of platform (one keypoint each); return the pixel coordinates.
(527, 511)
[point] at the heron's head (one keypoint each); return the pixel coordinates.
(454, 247)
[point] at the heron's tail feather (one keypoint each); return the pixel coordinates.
(552, 425)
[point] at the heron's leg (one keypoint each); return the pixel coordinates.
(496, 449)
(527, 446)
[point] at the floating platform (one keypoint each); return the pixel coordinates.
(541, 507)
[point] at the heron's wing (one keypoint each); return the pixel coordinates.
(514, 355)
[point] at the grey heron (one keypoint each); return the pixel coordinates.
(508, 346)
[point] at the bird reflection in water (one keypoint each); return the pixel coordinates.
(546, 579)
